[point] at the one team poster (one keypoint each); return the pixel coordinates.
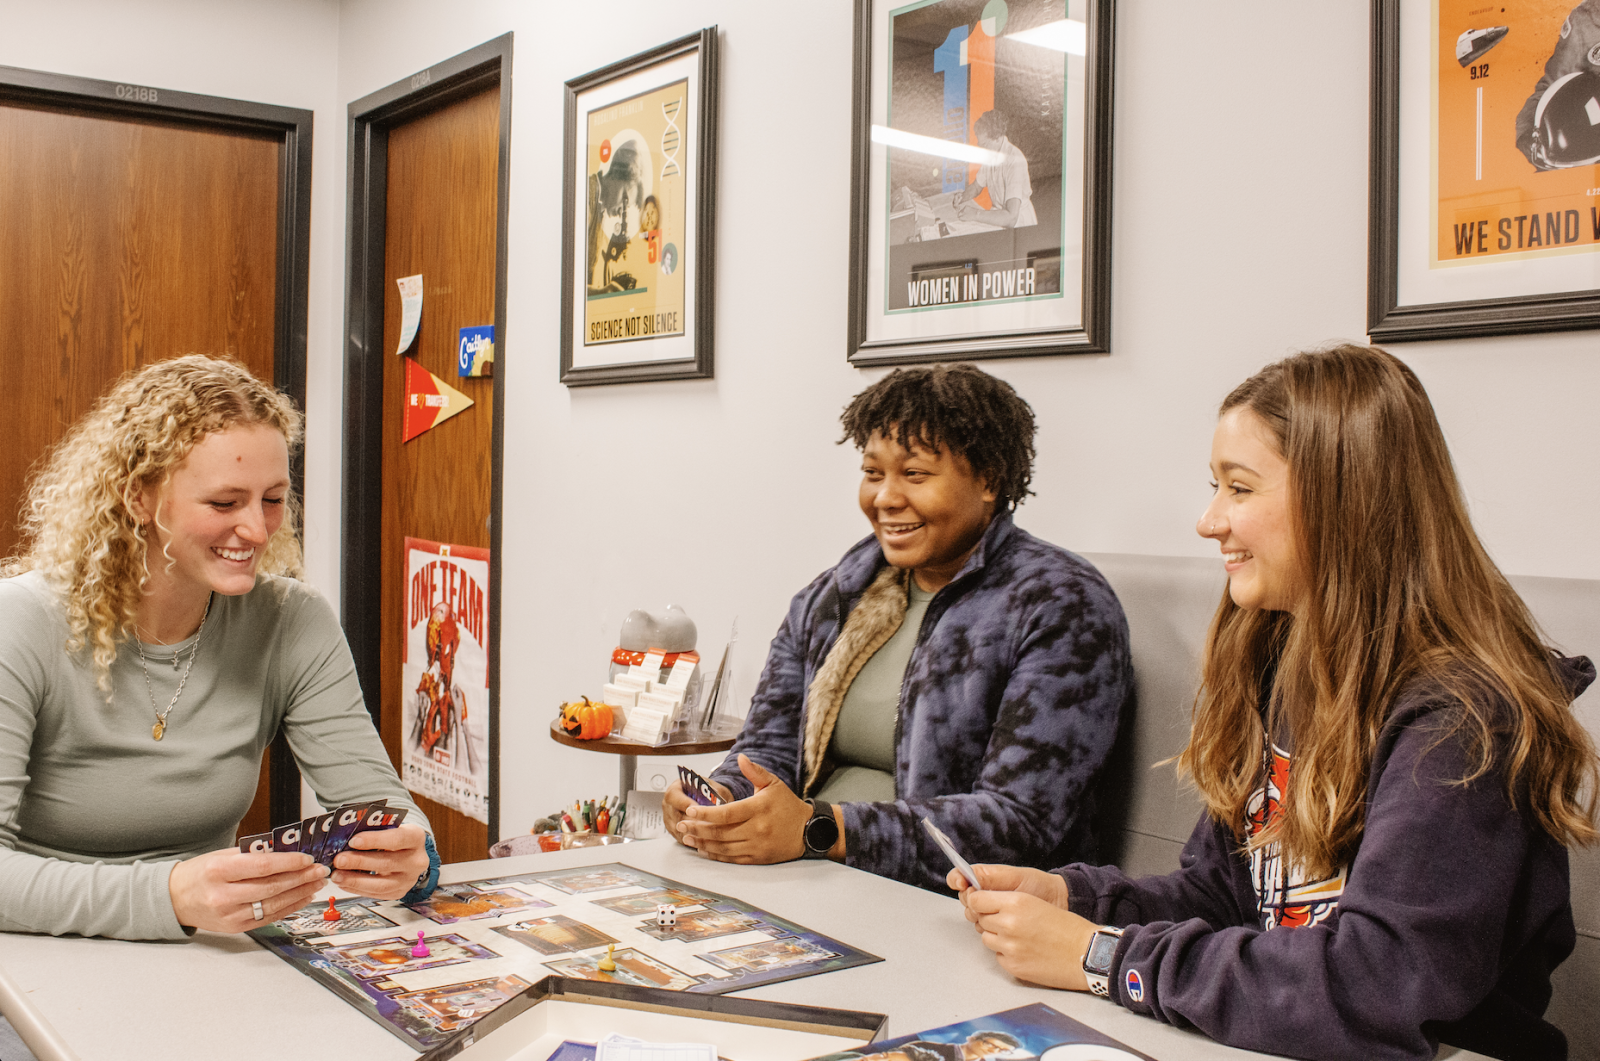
(635, 152)
(1517, 130)
(444, 682)
(976, 132)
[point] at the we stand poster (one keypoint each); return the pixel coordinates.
(444, 690)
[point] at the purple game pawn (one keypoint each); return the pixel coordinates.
(421, 949)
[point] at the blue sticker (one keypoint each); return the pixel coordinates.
(475, 354)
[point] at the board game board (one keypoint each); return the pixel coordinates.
(490, 939)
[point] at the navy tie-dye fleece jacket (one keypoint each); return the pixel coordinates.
(1009, 706)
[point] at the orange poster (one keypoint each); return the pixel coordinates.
(1516, 123)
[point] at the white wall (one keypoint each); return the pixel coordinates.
(1239, 236)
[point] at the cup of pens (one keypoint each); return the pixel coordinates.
(590, 839)
(600, 820)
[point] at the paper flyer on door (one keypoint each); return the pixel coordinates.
(444, 692)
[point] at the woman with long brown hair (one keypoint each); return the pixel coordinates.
(1390, 765)
(154, 638)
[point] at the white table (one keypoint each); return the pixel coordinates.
(225, 996)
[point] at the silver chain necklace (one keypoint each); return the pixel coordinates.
(160, 728)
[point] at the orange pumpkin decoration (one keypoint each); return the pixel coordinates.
(586, 720)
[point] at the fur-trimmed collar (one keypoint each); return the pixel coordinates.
(872, 623)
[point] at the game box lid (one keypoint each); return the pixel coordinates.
(559, 1009)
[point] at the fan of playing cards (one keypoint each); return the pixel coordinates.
(698, 788)
(324, 835)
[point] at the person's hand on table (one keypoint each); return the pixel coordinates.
(1021, 915)
(215, 891)
(766, 827)
(382, 863)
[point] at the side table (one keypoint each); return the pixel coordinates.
(628, 751)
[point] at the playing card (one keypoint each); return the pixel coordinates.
(698, 788)
(951, 853)
(381, 818)
(255, 845)
(316, 834)
(346, 823)
(286, 837)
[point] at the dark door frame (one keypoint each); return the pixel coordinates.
(371, 117)
(291, 127)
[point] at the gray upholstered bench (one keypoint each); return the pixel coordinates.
(1169, 601)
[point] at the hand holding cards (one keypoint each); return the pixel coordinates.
(322, 836)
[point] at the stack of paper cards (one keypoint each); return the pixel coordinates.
(652, 706)
(324, 835)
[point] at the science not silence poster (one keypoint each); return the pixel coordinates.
(635, 164)
(444, 691)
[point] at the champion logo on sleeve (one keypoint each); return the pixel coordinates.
(1134, 985)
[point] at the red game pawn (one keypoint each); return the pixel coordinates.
(421, 949)
(330, 914)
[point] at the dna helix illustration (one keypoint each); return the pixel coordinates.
(671, 138)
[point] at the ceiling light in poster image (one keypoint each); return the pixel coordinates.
(974, 137)
(1517, 132)
(444, 692)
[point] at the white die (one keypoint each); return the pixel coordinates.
(666, 916)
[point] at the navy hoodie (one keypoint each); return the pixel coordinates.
(1444, 926)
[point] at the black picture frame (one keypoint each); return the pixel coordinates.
(1388, 320)
(1091, 333)
(698, 260)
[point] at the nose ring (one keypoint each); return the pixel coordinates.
(1213, 528)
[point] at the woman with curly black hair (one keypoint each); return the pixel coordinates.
(951, 666)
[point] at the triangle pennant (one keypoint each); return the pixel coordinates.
(430, 401)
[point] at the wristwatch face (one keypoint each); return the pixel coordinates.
(1101, 949)
(822, 832)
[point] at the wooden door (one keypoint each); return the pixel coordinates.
(123, 243)
(129, 237)
(441, 220)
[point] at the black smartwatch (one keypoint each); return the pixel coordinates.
(1097, 959)
(821, 831)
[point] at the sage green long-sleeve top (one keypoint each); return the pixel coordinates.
(94, 812)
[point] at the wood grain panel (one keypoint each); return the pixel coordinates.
(440, 222)
(123, 243)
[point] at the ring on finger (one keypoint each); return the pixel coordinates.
(255, 908)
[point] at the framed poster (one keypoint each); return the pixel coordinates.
(638, 217)
(444, 684)
(1485, 184)
(981, 200)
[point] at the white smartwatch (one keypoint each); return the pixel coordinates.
(1097, 959)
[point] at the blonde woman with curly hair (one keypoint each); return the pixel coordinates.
(1387, 752)
(153, 641)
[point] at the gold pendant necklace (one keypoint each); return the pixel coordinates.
(159, 730)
